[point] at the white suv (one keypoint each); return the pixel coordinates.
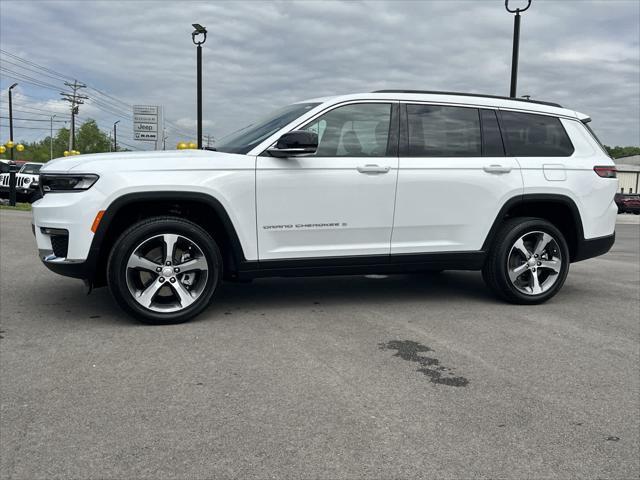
(383, 182)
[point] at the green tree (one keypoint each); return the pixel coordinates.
(619, 152)
(89, 139)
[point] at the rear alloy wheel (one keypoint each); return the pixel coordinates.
(528, 263)
(534, 263)
(164, 270)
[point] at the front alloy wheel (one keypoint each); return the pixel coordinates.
(164, 270)
(167, 273)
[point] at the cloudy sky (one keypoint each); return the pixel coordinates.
(261, 55)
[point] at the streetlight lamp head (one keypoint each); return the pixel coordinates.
(517, 10)
(12, 86)
(199, 30)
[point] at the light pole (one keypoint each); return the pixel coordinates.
(199, 30)
(51, 139)
(11, 120)
(516, 45)
(115, 135)
(10, 144)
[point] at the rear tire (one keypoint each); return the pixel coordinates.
(528, 262)
(164, 270)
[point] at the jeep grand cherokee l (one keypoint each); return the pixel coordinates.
(383, 182)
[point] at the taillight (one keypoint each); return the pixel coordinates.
(606, 172)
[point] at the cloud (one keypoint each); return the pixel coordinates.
(262, 55)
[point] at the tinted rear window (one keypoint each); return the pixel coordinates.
(436, 131)
(531, 135)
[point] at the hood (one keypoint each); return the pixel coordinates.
(141, 161)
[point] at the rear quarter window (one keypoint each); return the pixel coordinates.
(532, 135)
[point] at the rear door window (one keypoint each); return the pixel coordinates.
(442, 131)
(532, 135)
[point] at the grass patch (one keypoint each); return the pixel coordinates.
(22, 207)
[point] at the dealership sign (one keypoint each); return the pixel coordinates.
(145, 122)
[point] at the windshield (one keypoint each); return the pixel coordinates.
(31, 168)
(248, 137)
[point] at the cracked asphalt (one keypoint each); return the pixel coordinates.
(409, 376)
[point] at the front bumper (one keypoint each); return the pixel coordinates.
(62, 266)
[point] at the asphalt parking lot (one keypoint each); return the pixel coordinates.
(341, 377)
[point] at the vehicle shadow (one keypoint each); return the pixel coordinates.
(73, 305)
(355, 290)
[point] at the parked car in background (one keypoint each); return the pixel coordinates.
(628, 203)
(27, 185)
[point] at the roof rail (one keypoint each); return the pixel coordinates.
(433, 92)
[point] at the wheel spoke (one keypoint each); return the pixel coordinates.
(535, 283)
(519, 245)
(199, 263)
(147, 295)
(516, 272)
(137, 261)
(169, 246)
(543, 241)
(185, 296)
(551, 264)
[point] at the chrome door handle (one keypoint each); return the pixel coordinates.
(373, 169)
(496, 169)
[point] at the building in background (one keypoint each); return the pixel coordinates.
(628, 173)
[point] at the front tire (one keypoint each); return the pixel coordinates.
(528, 263)
(164, 270)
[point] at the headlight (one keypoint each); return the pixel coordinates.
(66, 183)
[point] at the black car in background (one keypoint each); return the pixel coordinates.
(628, 203)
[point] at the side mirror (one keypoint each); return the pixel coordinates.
(295, 143)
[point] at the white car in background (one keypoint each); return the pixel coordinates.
(27, 186)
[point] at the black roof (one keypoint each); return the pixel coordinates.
(471, 95)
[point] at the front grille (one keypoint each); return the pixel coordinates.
(20, 180)
(60, 245)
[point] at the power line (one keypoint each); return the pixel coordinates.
(62, 77)
(34, 120)
(103, 101)
(38, 112)
(30, 70)
(29, 79)
(21, 127)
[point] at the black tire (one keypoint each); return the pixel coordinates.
(135, 235)
(495, 270)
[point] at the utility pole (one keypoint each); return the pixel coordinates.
(516, 45)
(164, 138)
(51, 139)
(76, 100)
